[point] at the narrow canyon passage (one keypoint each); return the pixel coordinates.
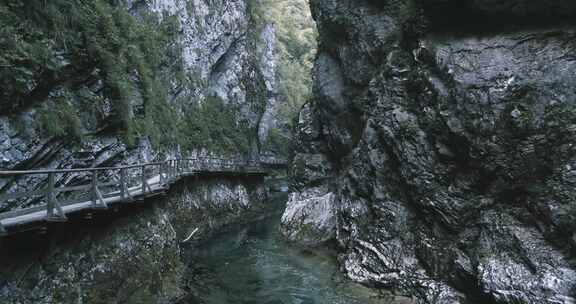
(425, 149)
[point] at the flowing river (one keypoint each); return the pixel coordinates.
(253, 265)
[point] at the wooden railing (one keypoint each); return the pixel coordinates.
(51, 202)
(274, 161)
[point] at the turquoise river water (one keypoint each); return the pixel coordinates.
(253, 265)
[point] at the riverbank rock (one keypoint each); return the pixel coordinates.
(309, 218)
(449, 146)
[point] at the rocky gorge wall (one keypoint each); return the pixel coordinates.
(124, 82)
(438, 148)
(107, 83)
(132, 256)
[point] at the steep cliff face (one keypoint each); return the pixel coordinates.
(108, 83)
(133, 256)
(441, 135)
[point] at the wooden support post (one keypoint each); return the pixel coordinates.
(174, 169)
(124, 192)
(167, 171)
(174, 164)
(146, 188)
(161, 172)
(53, 204)
(97, 198)
(128, 179)
(143, 179)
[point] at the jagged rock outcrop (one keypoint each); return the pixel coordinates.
(309, 219)
(448, 143)
(134, 256)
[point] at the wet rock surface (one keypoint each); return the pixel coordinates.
(133, 256)
(449, 149)
(309, 218)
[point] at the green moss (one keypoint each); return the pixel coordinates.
(60, 119)
(108, 59)
(212, 125)
(296, 43)
(61, 44)
(278, 142)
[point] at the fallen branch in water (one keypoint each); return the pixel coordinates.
(191, 235)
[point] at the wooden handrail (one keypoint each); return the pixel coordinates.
(78, 170)
(152, 177)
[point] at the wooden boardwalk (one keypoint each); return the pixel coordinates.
(52, 203)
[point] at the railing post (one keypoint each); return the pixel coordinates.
(167, 170)
(174, 169)
(97, 199)
(52, 203)
(161, 172)
(94, 189)
(128, 179)
(124, 192)
(143, 179)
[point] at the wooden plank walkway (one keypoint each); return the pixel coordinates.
(131, 183)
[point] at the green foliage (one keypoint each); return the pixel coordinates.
(212, 125)
(297, 45)
(55, 45)
(60, 119)
(278, 141)
(117, 58)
